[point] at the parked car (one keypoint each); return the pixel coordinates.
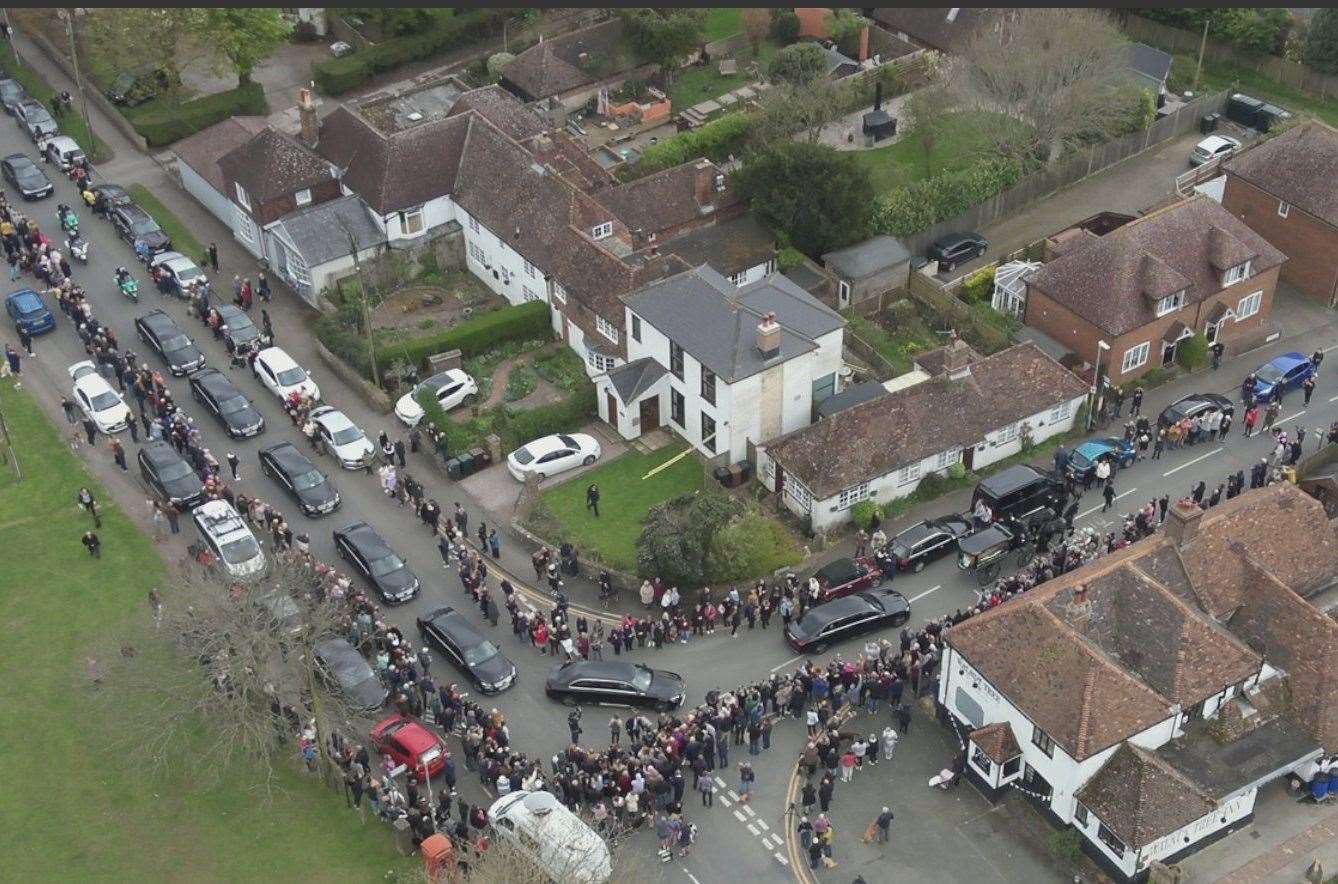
(839, 619)
(552, 455)
(173, 345)
(1194, 405)
(32, 116)
(409, 743)
(615, 683)
(239, 329)
(452, 387)
(170, 476)
(99, 402)
(282, 376)
(360, 546)
(1083, 458)
(957, 248)
(845, 575)
(1214, 147)
(219, 395)
(26, 176)
(12, 94)
(230, 540)
(927, 541)
(63, 152)
(29, 312)
(341, 437)
(114, 194)
(181, 272)
(346, 670)
(1281, 374)
(1018, 493)
(132, 88)
(467, 649)
(134, 224)
(549, 838)
(286, 464)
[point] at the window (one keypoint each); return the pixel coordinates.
(602, 231)
(598, 361)
(474, 225)
(411, 221)
(852, 495)
(708, 385)
(636, 328)
(242, 199)
(246, 228)
(559, 293)
(1134, 357)
(946, 459)
(1110, 839)
(843, 293)
(1006, 435)
(303, 197)
(1061, 412)
(736, 279)
(1171, 303)
(1043, 741)
(799, 493)
(1248, 306)
(676, 409)
(1080, 814)
(529, 268)
(529, 293)
(477, 253)
(1236, 274)
(297, 267)
(708, 432)
(676, 360)
(1284, 209)
(908, 474)
(606, 328)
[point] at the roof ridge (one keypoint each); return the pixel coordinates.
(1085, 713)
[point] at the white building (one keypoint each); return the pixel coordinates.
(970, 412)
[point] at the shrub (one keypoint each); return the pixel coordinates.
(567, 416)
(1066, 844)
(863, 512)
(788, 258)
(750, 546)
(979, 286)
(164, 124)
(905, 211)
(785, 25)
(1192, 353)
(520, 383)
(716, 140)
(675, 540)
(528, 321)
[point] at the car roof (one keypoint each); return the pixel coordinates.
(452, 622)
(158, 319)
(278, 358)
(64, 142)
(161, 452)
(1212, 142)
(365, 537)
(1288, 360)
(130, 210)
(842, 567)
(917, 531)
(444, 378)
(222, 520)
(337, 650)
(845, 605)
(14, 157)
(25, 295)
(289, 456)
(598, 669)
(1010, 480)
(181, 262)
(411, 733)
(213, 380)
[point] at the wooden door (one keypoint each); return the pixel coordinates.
(650, 414)
(612, 403)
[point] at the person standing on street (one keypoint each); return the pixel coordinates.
(12, 357)
(234, 464)
(1217, 349)
(91, 431)
(118, 454)
(1137, 402)
(1308, 387)
(883, 824)
(26, 340)
(213, 256)
(399, 451)
(71, 411)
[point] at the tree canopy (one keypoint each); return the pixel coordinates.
(1320, 49)
(799, 64)
(818, 196)
(245, 35)
(665, 37)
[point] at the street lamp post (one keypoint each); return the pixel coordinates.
(1096, 383)
(79, 82)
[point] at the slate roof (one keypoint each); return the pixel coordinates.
(668, 198)
(867, 258)
(320, 237)
(1115, 280)
(272, 164)
(633, 378)
(851, 396)
(551, 67)
(931, 26)
(997, 742)
(1149, 61)
(728, 246)
(716, 323)
(205, 148)
(1141, 797)
(1294, 167)
(871, 440)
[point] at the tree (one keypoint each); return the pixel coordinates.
(922, 113)
(676, 539)
(1055, 71)
(1320, 49)
(799, 64)
(245, 35)
(395, 21)
(785, 25)
(665, 38)
(123, 39)
(788, 111)
(844, 28)
(818, 196)
(756, 25)
(497, 62)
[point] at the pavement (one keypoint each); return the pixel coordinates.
(1280, 843)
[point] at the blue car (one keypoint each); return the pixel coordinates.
(29, 313)
(1083, 458)
(1281, 374)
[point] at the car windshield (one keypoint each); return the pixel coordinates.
(347, 435)
(1270, 374)
(523, 455)
(811, 623)
(103, 401)
(234, 404)
(641, 677)
(386, 565)
(243, 549)
(294, 375)
(177, 469)
(430, 755)
(481, 652)
(143, 226)
(309, 479)
(176, 342)
(1081, 460)
(191, 272)
(10, 89)
(239, 324)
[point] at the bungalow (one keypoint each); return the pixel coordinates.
(974, 413)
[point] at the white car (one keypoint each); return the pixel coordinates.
(102, 404)
(453, 387)
(552, 455)
(341, 437)
(1214, 147)
(228, 538)
(282, 376)
(184, 271)
(64, 151)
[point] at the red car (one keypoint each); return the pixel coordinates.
(844, 576)
(410, 743)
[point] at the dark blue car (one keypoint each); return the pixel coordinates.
(1281, 374)
(29, 312)
(1082, 460)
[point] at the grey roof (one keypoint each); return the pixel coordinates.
(318, 234)
(867, 258)
(1148, 61)
(807, 278)
(836, 58)
(851, 396)
(635, 377)
(716, 323)
(1223, 768)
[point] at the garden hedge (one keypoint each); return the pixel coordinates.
(716, 141)
(164, 125)
(523, 322)
(904, 211)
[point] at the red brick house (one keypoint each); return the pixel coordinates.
(1284, 190)
(1143, 288)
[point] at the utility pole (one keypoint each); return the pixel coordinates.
(1203, 44)
(363, 297)
(79, 82)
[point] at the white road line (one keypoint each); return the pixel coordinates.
(1191, 463)
(740, 817)
(926, 592)
(1333, 399)
(1330, 347)
(783, 860)
(722, 784)
(777, 840)
(763, 825)
(733, 795)
(752, 830)
(1283, 420)
(748, 810)
(692, 876)
(786, 663)
(723, 800)
(1085, 513)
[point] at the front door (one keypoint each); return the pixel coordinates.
(1168, 353)
(612, 403)
(780, 480)
(650, 414)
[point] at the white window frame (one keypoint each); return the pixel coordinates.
(529, 268)
(303, 197)
(559, 293)
(636, 328)
(243, 199)
(529, 293)
(412, 222)
(709, 441)
(1061, 411)
(246, 228)
(1236, 274)
(799, 493)
(1284, 209)
(476, 252)
(908, 474)
(473, 224)
(1135, 357)
(1254, 300)
(946, 459)
(606, 328)
(852, 495)
(599, 362)
(1006, 434)
(1171, 303)
(602, 231)
(843, 292)
(297, 267)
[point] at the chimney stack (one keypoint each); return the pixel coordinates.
(957, 359)
(863, 44)
(878, 95)
(1182, 522)
(306, 113)
(769, 336)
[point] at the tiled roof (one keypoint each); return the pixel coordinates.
(632, 379)
(997, 742)
(272, 164)
(1115, 280)
(1140, 797)
(503, 110)
(321, 231)
(668, 198)
(1298, 167)
(729, 247)
(874, 438)
(931, 25)
(553, 66)
(205, 148)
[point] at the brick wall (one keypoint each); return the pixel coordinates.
(1309, 243)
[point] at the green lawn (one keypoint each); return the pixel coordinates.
(71, 124)
(624, 499)
(961, 141)
(1225, 75)
(696, 84)
(74, 809)
(183, 240)
(722, 22)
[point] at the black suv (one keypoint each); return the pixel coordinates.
(176, 348)
(292, 469)
(360, 546)
(216, 392)
(957, 248)
(241, 331)
(26, 176)
(169, 476)
(1019, 492)
(926, 541)
(614, 683)
(133, 223)
(467, 649)
(132, 88)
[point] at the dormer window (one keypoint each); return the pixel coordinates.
(303, 197)
(1236, 274)
(1171, 303)
(602, 231)
(242, 199)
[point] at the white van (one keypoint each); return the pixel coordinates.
(228, 538)
(558, 842)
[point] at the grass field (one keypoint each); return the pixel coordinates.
(722, 22)
(1225, 75)
(73, 808)
(962, 141)
(699, 83)
(183, 240)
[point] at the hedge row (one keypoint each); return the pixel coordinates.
(164, 124)
(905, 211)
(514, 429)
(523, 322)
(335, 76)
(716, 140)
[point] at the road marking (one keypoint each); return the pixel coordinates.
(783, 860)
(776, 839)
(1194, 461)
(749, 811)
(1283, 420)
(733, 795)
(692, 876)
(723, 800)
(1085, 513)
(787, 663)
(925, 593)
(721, 783)
(752, 830)
(1333, 399)
(740, 817)
(763, 825)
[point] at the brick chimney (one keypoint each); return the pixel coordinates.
(1182, 522)
(703, 185)
(769, 336)
(1080, 607)
(306, 114)
(957, 359)
(863, 44)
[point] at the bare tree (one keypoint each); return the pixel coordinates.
(798, 111)
(1053, 70)
(756, 25)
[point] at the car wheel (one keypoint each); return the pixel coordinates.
(918, 566)
(589, 459)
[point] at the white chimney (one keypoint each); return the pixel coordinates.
(769, 336)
